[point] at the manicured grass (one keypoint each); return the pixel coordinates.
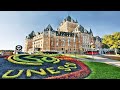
(102, 71)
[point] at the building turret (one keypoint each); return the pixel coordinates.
(68, 18)
(91, 32)
(68, 25)
(49, 27)
(76, 21)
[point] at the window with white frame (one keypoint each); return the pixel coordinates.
(52, 43)
(74, 38)
(56, 42)
(63, 42)
(68, 41)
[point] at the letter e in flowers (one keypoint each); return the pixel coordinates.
(52, 71)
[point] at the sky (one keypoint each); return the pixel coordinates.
(16, 25)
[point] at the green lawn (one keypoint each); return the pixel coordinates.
(102, 71)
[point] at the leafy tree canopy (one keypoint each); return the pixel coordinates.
(112, 41)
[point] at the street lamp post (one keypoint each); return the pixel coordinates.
(75, 45)
(92, 50)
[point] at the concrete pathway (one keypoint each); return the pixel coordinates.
(112, 55)
(98, 58)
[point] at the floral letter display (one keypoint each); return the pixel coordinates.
(46, 67)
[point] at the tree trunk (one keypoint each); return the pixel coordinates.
(115, 51)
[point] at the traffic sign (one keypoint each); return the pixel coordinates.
(18, 47)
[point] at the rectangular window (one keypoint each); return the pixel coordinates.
(63, 42)
(57, 44)
(68, 42)
(74, 38)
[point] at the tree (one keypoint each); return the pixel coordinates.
(105, 46)
(112, 41)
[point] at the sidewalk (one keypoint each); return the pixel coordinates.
(103, 60)
(113, 55)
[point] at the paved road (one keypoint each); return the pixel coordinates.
(98, 58)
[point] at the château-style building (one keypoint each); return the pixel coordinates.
(70, 37)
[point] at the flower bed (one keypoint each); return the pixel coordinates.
(30, 59)
(46, 67)
(64, 57)
(4, 56)
(85, 71)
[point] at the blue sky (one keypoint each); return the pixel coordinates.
(15, 25)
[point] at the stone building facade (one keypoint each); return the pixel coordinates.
(98, 42)
(70, 37)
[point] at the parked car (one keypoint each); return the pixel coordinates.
(110, 52)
